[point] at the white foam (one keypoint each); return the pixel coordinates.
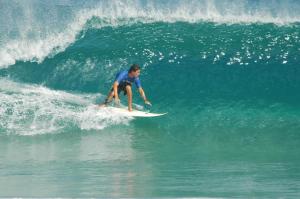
(36, 50)
(115, 12)
(30, 110)
(220, 11)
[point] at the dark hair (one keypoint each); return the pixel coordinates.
(134, 67)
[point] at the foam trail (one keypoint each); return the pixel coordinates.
(31, 110)
(43, 30)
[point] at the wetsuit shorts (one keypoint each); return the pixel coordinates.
(122, 87)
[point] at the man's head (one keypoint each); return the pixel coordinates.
(134, 70)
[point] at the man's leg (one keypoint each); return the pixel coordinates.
(108, 98)
(129, 95)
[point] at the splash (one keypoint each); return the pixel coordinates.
(31, 110)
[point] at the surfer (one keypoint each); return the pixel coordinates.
(123, 82)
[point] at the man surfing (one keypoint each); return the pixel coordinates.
(123, 82)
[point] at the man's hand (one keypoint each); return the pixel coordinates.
(148, 103)
(142, 93)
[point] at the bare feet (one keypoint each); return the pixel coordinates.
(102, 105)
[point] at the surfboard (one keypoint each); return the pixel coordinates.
(135, 113)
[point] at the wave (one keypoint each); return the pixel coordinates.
(29, 110)
(32, 110)
(208, 61)
(45, 29)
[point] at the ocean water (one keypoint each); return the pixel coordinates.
(227, 73)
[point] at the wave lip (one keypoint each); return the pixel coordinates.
(113, 13)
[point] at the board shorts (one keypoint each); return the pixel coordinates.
(122, 87)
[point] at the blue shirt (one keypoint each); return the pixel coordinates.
(123, 77)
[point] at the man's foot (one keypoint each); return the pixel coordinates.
(102, 105)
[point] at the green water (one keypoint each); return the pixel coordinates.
(142, 160)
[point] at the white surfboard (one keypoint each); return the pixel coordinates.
(134, 113)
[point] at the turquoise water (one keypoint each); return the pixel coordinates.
(227, 73)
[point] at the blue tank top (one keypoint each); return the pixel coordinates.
(123, 77)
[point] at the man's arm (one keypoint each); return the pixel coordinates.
(142, 93)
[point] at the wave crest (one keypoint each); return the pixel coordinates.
(36, 37)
